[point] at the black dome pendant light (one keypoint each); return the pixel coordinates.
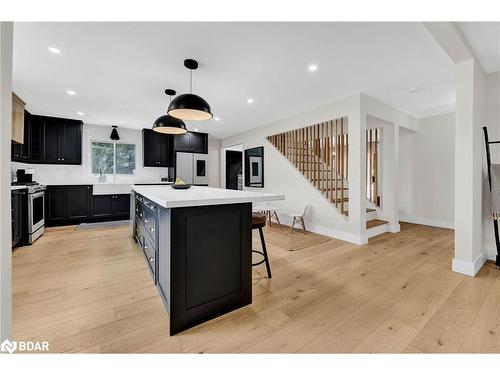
(167, 124)
(190, 106)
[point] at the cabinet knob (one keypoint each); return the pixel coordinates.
(151, 260)
(151, 229)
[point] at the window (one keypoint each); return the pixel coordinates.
(113, 158)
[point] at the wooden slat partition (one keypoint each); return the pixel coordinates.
(372, 146)
(320, 153)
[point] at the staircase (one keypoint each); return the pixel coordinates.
(320, 153)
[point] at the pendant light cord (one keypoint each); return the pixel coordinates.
(190, 81)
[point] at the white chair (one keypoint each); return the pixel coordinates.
(298, 218)
(268, 209)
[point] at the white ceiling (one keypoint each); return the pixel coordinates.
(119, 70)
(484, 38)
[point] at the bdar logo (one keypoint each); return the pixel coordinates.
(8, 346)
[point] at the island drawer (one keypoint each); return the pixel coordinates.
(150, 254)
(147, 247)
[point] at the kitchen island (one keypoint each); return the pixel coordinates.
(197, 243)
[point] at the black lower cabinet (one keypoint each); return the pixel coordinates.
(75, 204)
(54, 212)
(19, 218)
(103, 206)
(112, 207)
(122, 206)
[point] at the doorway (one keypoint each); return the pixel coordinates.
(234, 170)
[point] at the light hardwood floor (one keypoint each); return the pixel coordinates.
(90, 291)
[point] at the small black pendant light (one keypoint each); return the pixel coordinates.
(114, 134)
(167, 124)
(190, 106)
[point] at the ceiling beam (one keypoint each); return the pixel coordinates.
(451, 39)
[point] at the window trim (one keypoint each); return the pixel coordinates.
(114, 143)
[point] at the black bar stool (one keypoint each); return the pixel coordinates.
(259, 222)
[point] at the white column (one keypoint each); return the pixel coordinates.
(390, 175)
(469, 148)
(357, 165)
(6, 32)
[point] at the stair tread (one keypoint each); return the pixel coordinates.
(375, 223)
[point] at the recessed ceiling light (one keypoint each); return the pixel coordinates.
(250, 101)
(216, 118)
(312, 68)
(70, 92)
(55, 50)
(414, 89)
(80, 113)
(196, 130)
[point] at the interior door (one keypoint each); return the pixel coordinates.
(184, 167)
(200, 168)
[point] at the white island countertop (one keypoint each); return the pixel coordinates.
(168, 197)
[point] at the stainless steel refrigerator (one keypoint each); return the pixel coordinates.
(192, 168)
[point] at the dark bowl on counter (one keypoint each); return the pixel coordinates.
(180, 186)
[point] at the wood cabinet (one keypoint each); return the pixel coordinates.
(157, 149)
(17, 119)
(191, 142)
(21, 151)
(74, 204)
(49, 140)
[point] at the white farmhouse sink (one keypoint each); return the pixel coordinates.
(104, 188)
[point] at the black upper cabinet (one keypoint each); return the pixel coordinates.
(191, 142)
(157, 149)
(62, 141)
(50, 140)
(51, 136)
(182, 142)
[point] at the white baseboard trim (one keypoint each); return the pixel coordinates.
(428, 222)
(468, 268)
(394, 228)
(491, 251)
(330, 232)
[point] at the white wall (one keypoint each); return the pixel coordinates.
(214, 161)
(281, 177)
(493, 123)
(426, 172)
(6, 32)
